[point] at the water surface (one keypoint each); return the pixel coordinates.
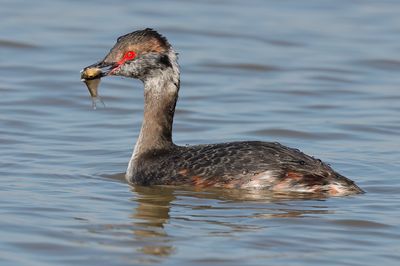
(321, 76)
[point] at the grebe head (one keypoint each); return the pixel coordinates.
(141, 54)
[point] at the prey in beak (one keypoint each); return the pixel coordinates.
(119, 62)
(91, 76)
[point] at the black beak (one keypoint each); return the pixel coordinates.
(105, 69)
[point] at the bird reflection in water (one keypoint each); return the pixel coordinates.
(151, 215)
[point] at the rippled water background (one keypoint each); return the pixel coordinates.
(322, 76)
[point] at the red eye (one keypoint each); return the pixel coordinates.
(129, 55)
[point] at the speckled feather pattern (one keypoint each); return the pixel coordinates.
(250, 164)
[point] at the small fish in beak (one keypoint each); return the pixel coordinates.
(91, 76)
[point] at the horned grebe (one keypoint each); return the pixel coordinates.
(156, 160)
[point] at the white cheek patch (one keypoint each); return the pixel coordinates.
(126, 70)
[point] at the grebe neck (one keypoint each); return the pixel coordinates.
(160, 96)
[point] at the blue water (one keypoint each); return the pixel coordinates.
(321, 76)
